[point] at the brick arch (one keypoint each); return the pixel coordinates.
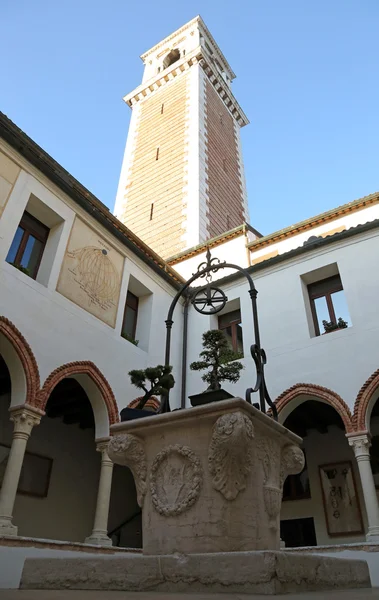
(362, 401)
(81, 368)
(317, 391)
(26, 356)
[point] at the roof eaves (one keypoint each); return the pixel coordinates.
(212, 243)
(325, 217)
(16, 138)
(307, 247)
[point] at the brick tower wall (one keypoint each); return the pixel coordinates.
(226, 200)
(157, 175)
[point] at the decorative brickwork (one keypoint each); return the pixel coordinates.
(154, 198)
(363, 400)
(225, 188)
(26, 356)
(317, 392)
(78, 368)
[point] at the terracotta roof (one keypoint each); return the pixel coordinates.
(313, 222)
(212, 243)
(16, 138)
(308, 246)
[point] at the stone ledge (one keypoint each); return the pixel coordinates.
(240, 572)
(26, 542)
(355, 546)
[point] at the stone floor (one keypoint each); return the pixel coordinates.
(88, 595)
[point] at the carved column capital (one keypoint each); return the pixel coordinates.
(24, 419)
(102, 447)
(361, 445)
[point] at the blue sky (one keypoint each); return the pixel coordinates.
(307, 78)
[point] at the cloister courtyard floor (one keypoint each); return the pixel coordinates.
(101, 595)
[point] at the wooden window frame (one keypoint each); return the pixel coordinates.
(26, 224)
(233, 325)
(132, 301)
(335, 286)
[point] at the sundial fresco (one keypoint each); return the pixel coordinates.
(91, 273)
(96, 273)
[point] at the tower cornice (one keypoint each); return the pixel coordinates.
(198, 55)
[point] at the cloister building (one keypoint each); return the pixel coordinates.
(84, 295)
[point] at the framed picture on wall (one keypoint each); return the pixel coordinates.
(35, 472)
(340, 497)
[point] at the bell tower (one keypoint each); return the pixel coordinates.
(182, 178)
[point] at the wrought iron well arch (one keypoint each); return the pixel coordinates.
(205, 270)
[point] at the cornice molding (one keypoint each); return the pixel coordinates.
(201, 56)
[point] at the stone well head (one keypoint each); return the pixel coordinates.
(210, 478)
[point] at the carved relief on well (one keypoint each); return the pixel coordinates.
(277, 464)
(231, 454)
(176, 478)
(292, 462)
(129, 450)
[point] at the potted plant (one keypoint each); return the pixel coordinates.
(153, 381)
(333, 326)
(220, 359)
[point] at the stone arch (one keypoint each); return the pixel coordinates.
(319, 393)
(364, 402)
(21, 363)
(95, 385)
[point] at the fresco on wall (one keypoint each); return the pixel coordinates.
(91, 273)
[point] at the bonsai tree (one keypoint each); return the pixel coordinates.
(219, 358)
(332, 326)
(153, 381)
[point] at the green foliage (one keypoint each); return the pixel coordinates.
(159, 378)
(128, 337)
(21, 268)
(332, 326)
(219, 358)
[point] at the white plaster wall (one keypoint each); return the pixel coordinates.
(348, 220)
(233, 251)
(341, 361)
(58, 330)
(322, 449)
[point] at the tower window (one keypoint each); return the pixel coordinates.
(151, 211)
(171, 57)
(162, 108)
(224, 164)
(221, 119)
(157, 154)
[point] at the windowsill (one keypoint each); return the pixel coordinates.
(326, 335)
(22, 276)
(134, 345)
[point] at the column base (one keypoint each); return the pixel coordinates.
(7, 527)
(373, 535)
(98, 539)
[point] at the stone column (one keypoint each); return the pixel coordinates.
(100, 529)
(24, 419)
(361, 445)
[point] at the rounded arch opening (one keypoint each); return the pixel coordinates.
(97, 388)
(321, 418)
(171, 57)
(365, 402)
(21, 364)
(293, 397)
